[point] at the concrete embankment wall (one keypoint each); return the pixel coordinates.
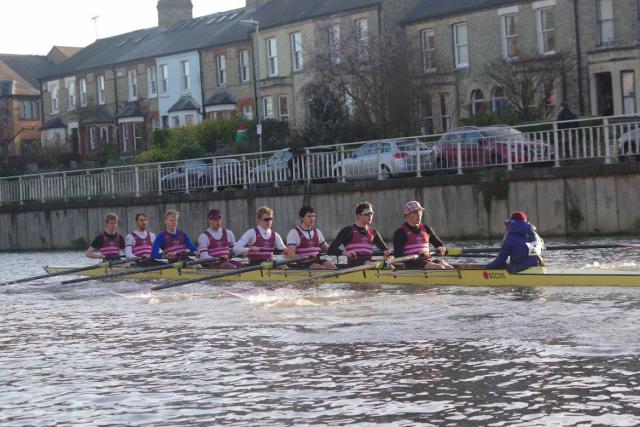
(584, 200)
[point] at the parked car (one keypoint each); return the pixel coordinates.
(385, 158)
(274, 169)
(197, 172)
(481, 146)
(629, 146)
(225, 173)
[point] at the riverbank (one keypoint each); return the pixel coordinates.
(569, 201)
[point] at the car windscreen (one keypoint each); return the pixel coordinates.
(502, 133)
(411, 146)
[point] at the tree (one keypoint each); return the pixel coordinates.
(371, 75)
(529, 83)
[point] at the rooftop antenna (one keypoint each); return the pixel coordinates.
(95, 24)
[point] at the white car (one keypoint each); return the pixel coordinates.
(274, 169)
(386, 158)
(629, 146)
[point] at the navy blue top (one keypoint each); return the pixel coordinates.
(515, 249)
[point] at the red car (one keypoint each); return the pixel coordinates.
(481, 146)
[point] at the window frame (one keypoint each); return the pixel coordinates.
(542, 31)
(185, 76)
(506, 38)
(633, 91)
(272, 56)
(82, 88)
(102, 99)
(334, 43)
(152, 82)
(163, 71)
(132, 83)
(267, 101)
(283, 117)
(70, 85)
(427, 50)
(297, 62)
(458, 45)
(221, 69)
(243, 63)
(600, 22)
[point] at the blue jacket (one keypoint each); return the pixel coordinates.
(514, 247)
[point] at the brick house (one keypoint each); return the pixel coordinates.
(459, 40)
(20, 106)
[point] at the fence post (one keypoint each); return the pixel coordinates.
(87, 186)
(459, 156)
(556, 146)
(307, 157)
(137, 180)
(20, 191)
(42, 198)
(607, 148)
(378, 160)
(186, 179)
(112, 183)
(509, 157)
(418, 166)
(245, 174)
(1, 182)
(215, 167)
(342, 178)
(159, 174)
(64, 186)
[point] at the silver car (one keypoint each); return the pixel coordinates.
(629, 146)
(385, 158)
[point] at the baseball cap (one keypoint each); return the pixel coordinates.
(412, 206)
(214, 213)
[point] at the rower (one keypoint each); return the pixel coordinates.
(108, 244)
(259, 242)
(216, 241)
(139, 242)
(359, 239)
(413, 237)
(522, 245)
(174, 244)
(305, 239)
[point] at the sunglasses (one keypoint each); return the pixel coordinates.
(367, 213)
(266, 219)
(215, 217)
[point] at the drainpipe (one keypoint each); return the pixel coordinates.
(115, 95)
(201, 85)
(579, 56)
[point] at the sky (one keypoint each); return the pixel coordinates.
(34, 26)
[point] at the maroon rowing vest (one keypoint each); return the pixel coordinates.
(218, 248)
(110, 248)
(141, 247)
(361, 244)
(416, 243)
(266, 247)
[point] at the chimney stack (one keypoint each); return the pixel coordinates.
(172, 11)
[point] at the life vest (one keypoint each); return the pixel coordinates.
(174, 247)
(361, 244)
(218, 248)
(141, 246)
(266, 247)
(416, 243)
(308, 246)
(110, 248)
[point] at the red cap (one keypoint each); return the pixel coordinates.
(214, 213)
(518, 216)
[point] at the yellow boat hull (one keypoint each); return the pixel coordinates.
(536, 276)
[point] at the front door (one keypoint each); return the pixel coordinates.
(604, 94)
(75, 141)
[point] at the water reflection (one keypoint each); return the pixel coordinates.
(327, 355)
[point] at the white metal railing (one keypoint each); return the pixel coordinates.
(607, 139)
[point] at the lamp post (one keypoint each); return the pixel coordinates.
(256, 78)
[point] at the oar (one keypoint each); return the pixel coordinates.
(103, 264)
(376, 265)
(269, 265)
(461, 251)
(177, 265)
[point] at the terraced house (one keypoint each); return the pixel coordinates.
(187, 70)
(461, 42)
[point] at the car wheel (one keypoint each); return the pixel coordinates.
(385, 173)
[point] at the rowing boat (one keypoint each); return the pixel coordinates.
(535, 276)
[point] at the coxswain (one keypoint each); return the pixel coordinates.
(174, 244)
(414, 237)
(108, 244)
(358, 240)
(305, 240)
(259, 242)
(521, 247)
(139, 242)
(216, 241)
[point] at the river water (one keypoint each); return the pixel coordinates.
(116, 354)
